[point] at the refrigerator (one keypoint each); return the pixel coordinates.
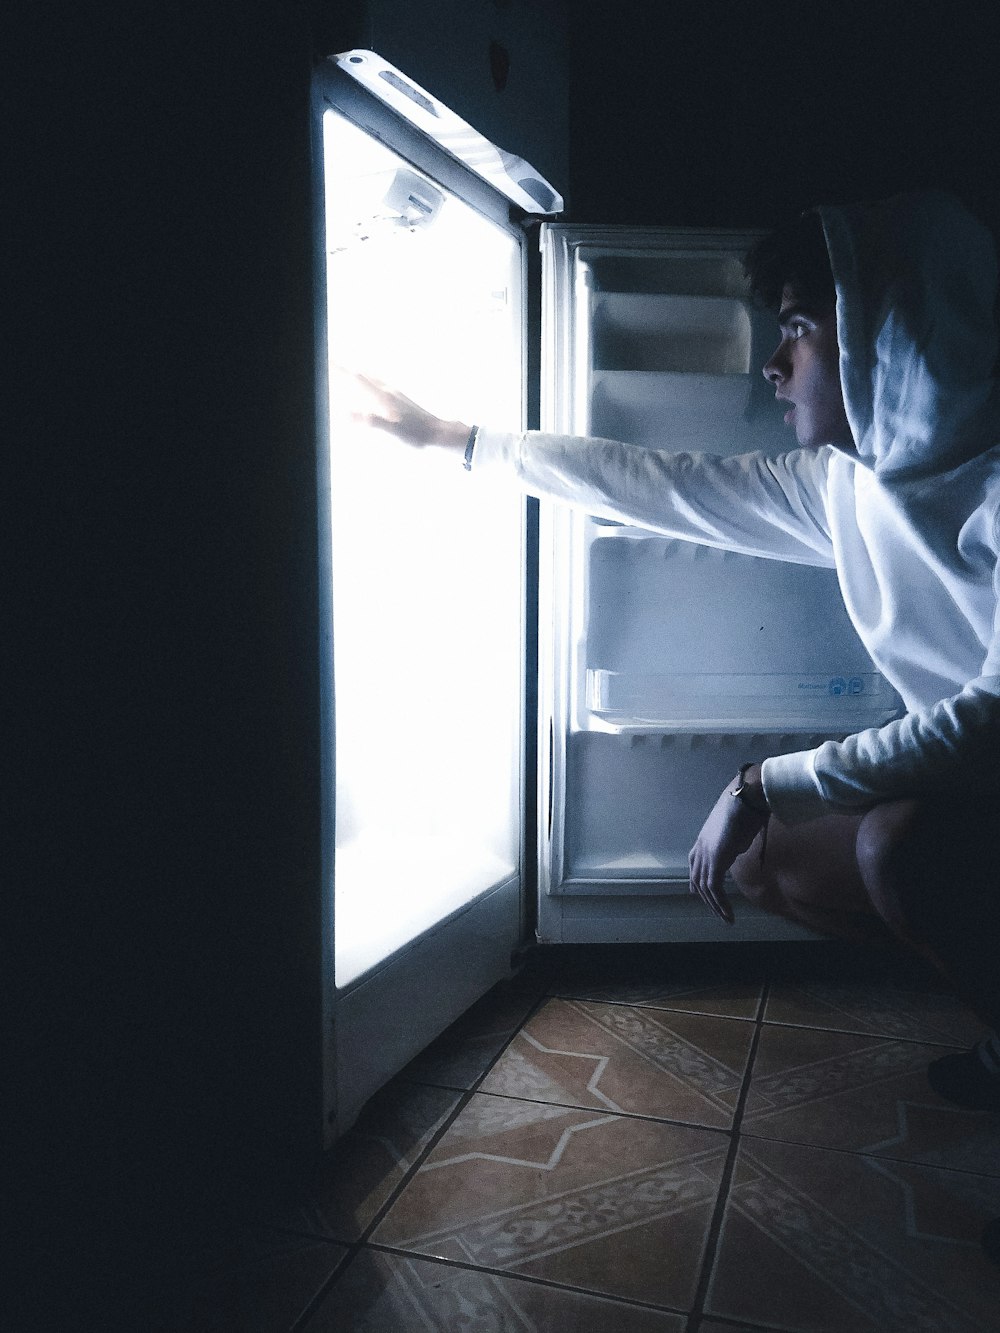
(529, 710)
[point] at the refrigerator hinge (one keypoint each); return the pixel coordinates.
(520, 955)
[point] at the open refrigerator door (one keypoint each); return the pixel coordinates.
(423, 574)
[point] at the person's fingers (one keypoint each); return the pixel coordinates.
(705, 882)
(723, 907)
(373, 421)
(714, 892)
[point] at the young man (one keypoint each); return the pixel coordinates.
(887, 361)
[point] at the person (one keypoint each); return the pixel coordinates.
(887, 361)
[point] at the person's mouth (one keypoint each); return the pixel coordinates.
(790, 416)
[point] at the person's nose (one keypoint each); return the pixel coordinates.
(775, 368)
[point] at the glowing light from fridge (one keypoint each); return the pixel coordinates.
(423, 294)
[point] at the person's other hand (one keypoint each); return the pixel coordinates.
(727, 832)
(381, 407)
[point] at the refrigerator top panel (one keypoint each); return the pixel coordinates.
(510, 175)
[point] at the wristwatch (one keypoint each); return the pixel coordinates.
(741, 792)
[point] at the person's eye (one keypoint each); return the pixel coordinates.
(796, 330)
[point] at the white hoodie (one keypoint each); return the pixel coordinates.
(911, 522)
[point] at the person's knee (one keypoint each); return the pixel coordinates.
(891, 861)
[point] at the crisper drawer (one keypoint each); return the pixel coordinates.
(717, 701)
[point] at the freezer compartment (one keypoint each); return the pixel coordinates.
(639, 801)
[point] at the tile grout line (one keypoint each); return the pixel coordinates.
(354, 1247)
(622, 1115)
(648, 1004)
(715, 1226)
(874, 1157)
(477, 1083)
(551, 1284)
(696, 1315)
(874, 1035)
(465, 1096)
(361, 1243)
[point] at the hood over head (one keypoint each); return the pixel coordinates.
(916, 279)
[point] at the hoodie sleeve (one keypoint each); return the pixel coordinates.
(751, 503)
(950, 746)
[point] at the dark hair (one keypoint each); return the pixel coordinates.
(793, 255)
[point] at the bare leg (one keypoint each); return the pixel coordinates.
(811, 875)
(932, 871)
(926, 873)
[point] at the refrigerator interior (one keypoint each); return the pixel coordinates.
(669, 663)
(425, 294)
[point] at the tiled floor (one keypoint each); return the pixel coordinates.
(680, 1141)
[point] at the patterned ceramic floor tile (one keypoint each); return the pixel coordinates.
(387, 1293)
(462, 1054)
(882, 1009)
(626, 1058)
(367, 1164)
(823, 1242)
(267, 1291)
(866, 1094)
(610, 1204)
(730, 1000)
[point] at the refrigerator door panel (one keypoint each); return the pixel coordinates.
(663, 664)
(424, 288)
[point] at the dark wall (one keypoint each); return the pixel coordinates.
(164, 759)
(733, 113)
(162, 778)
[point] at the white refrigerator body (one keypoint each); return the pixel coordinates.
(661, 665)
(664, 665)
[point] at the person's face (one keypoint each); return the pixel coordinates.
(805, 372)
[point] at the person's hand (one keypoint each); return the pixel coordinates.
(727, 832)
(381, 407)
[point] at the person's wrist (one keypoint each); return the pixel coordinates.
(749, 789)
(454, 436)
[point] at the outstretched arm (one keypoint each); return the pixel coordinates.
(749, 503)
(381, 407)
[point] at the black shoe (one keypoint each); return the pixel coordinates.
(963, 1079)
(991, 1241)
